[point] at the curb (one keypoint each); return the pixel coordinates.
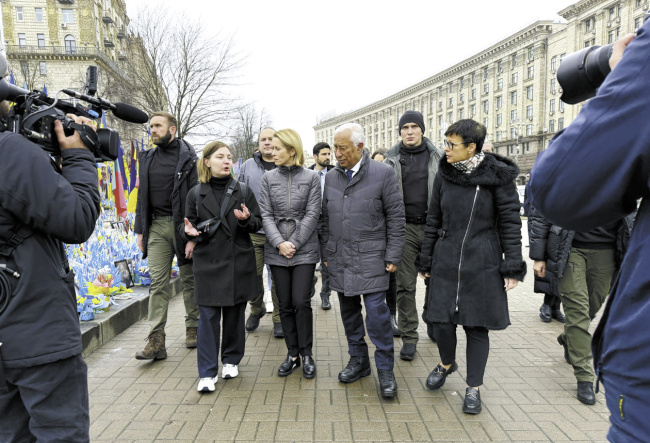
(107, 325)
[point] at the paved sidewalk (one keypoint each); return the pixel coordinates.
(528, 395)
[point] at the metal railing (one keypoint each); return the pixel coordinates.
(71, 51)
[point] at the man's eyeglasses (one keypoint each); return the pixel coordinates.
(451, 145)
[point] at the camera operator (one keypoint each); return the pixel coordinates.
(43, 377)
(603, 158)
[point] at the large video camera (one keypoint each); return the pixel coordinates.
(34, 113)
(582, 72)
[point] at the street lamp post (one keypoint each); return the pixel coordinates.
(516, 124)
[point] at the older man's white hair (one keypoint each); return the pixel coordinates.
(356, 136)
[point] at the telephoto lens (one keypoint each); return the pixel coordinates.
(582, 73)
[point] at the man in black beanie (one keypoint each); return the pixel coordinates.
(415, 161)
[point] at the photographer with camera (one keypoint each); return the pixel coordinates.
(606, 151)
(43, 377)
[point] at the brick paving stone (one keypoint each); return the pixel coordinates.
(528, 394)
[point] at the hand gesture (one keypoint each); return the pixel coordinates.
(511, 283)
(190, 229)
(73, 141)
(189, 248)
(243, 214)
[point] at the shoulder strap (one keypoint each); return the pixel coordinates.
(226, 199)
(244, 191)
(197, 188)
(8, 244)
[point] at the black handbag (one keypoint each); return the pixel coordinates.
(210, 226)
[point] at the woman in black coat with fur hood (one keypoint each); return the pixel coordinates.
(472, 252)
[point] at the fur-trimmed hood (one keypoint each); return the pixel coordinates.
(494, 170)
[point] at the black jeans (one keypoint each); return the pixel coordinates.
(293, 284)
(233, 342)
(46, 403)
(478, 348)
(553, 301)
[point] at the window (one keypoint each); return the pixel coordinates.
(500, 66)
(431, 104)
(440, 120)
(554, 63)
(590, 24)
(473, 110)
(450, 117)
(41, 40)
(529, 129)
(473, 77)
(513, 115)
(485, 73)
(440, 106)
(614, 12)
(561, 106)
(499, 102)
(43, 68)
(19, 14)
(461, 114)
(39, 14)
(498, 136)
(637, 23)
(553, 85)
(529, 111)
(529, 92)
(514, 60)
(590, 42)
(551, 107)
(499, 84)
(560, 123)
(638, 3)
(68, 15)
(462, 98)
(562, 57)
(462, 82)
(513, 97)
(513, 132)
(515, 77)
(22, 40)
(551, 126)
(486, 88)
(474, 94)
(531, 71)
(531, 53)
(486, 106)
(451, 102)
(70, 45)
(486, 122)
(499, 119)
(451, 88)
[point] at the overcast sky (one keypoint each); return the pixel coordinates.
(308, 58)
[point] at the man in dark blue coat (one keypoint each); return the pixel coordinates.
(592, 174)
(44, 388)
(361, 205)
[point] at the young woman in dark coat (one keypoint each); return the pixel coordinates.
(223, 263)
(471, 251)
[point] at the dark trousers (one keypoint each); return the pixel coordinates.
(377, 323)
(478, 348)
(554, 301)
(46, 403)
(325, 290)
(293, 285)
(208, 334)
(391, 294)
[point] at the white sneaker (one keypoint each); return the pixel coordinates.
(206, 384)
(229, 371)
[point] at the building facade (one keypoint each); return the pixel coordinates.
(51, 43)
(510, 87)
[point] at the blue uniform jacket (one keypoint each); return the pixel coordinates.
(592, 174)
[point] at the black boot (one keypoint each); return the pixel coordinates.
(357, 367)
(545, 313)
(387, 383)
(326, 305)
(586, 392)
(393, 324)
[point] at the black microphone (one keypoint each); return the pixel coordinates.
(120, 110)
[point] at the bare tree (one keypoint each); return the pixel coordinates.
(180, 67)
(30, 72)
(249, 124)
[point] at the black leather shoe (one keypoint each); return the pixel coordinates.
(561, 341)
(557, 315)
(288, 366)
(393, 324)
(437, 378)
(277, 330)
(387, 383)
(586, 392)
(408, 351)
(472, 403)
(430, 332)
(357, 367)
(326, 305)
(545, 313)
(308, 367)
(253, 322)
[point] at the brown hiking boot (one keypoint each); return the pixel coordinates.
(155, 348)
(190, 337)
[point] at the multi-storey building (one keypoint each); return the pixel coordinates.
(510, 87)
(51, 43)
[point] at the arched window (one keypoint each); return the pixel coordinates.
(70, 45)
